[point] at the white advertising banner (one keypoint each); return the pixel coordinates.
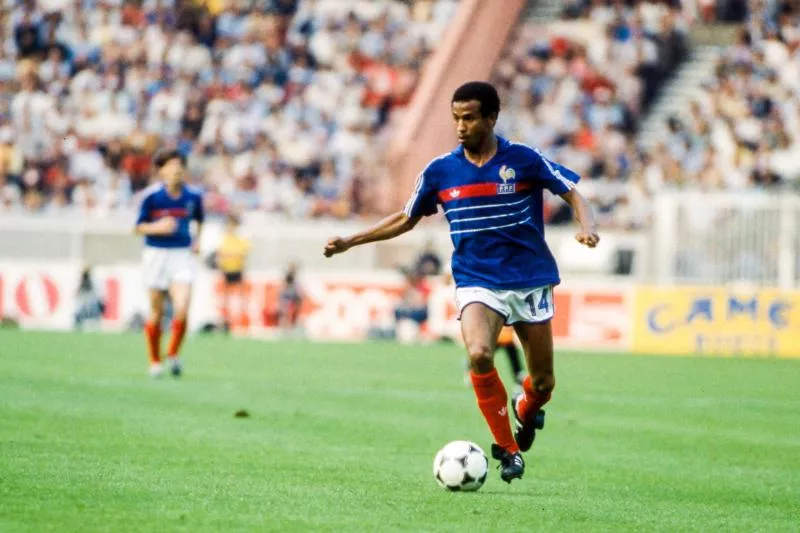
(336, 306)
(39, 295)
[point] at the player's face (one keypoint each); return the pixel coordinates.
(172, 173)
(472, 127)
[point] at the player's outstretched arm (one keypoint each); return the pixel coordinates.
(388, 228)
(583, 214)
(162, 226)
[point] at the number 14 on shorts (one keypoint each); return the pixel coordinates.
(540, 302)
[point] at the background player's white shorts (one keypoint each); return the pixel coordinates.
(161, 267)
(517, 305)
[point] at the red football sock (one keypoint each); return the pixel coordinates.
(152, 333)
(532, 401)
(492, 401)
(175, 340)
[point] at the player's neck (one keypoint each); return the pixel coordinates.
(487, 151)
(174, 190)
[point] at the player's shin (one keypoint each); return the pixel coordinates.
(152, 332)
(493, 401)
(181, 295)
(536, 394)
(176, 338)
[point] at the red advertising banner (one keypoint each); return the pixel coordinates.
(344, 306)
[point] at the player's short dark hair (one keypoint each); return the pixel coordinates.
(165, 156)
(483, 92)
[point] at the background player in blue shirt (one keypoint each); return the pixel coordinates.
(491, 191)
(169, 262)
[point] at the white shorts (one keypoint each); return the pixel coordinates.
(161, 267)
(515, 305)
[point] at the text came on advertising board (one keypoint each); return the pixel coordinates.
(717, 321)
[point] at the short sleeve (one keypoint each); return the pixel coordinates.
(423, 201)
(558, 179)
(144, 210)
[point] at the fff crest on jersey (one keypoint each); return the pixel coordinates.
(507, 174)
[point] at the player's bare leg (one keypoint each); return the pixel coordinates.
(181, 296)
(506, 343)
(537, 341)
(480, 327)
(152, 331)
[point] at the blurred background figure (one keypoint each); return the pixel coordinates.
(290, 302)
(89, 307)
(506, 343)
(412, 311)
(429, 263)
(231, 259)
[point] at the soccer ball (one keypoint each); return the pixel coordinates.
(460, 465)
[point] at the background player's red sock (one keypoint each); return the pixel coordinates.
(493, 403)
(532, 401)
(152, 333)
(175, 340)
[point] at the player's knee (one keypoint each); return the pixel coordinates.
(543, 383)
(156, 315)
(481, 357)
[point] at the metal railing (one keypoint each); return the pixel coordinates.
(696, 238)
(277, 241)
(725, 238)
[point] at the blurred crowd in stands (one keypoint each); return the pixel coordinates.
(743, 130)
(278, 104)
(282, 105)
(579, 89)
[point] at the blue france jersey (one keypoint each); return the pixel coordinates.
(495, 214)
(157, 203)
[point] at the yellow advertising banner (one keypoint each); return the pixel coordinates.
(716, 321)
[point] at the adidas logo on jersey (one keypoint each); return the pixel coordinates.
(455, 193)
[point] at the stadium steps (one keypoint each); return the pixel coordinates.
(676, 95)
(543, 10)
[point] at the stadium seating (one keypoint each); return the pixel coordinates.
(743, 129)
(579, 89)
(248, 90)
(283, 106)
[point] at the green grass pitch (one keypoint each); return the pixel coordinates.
(341, 438)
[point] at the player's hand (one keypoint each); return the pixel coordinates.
(196, 248)
(588, 237)
(335, 246)
(166, 225)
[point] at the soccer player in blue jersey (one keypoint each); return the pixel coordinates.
(491, 191)
(169, 264)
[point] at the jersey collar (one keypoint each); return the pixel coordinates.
(502, 146)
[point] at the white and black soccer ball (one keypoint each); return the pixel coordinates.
(460, 465)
